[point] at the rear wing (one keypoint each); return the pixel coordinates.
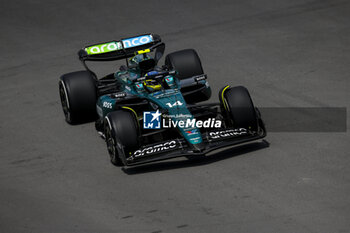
(116, 50)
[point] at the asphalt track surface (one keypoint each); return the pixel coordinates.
(58, 178)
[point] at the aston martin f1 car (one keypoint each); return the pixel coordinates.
(147, 112)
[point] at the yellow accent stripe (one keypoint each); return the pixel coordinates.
(137, 119)
(143, 51)
(131, 110)
(223, 99)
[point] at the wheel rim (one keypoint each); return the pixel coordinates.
(110, 144)
(64, 102)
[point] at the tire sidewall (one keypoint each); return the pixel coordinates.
(124, 130)
(81, 94)
(239, 107)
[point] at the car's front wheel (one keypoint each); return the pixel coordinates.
(122, 135)
(238, 107)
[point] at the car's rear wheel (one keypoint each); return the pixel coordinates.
(188, 64)
(122, 135)
(185, 62)
(239, 108)
(78, 96)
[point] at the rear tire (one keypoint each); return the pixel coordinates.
(78, 96)
(188, 64)
(122, 135)
(185, 62)
(239, 107)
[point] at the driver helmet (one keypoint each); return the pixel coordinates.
(152, 85)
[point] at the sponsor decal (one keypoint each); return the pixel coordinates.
(137, 41)
(103, 48)
(139, 87)
(177, 103)
(107, 105)
(227, 133)
(200, 78)
(196, 140)
(194, 131)
(162, 147)
(120, 95)
(151, 120)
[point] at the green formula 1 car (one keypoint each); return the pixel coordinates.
(147, 112)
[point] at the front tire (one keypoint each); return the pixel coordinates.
(239, 108)
(122, 135)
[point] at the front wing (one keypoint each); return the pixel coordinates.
(212, 140)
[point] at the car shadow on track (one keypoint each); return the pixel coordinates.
(212, 158)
